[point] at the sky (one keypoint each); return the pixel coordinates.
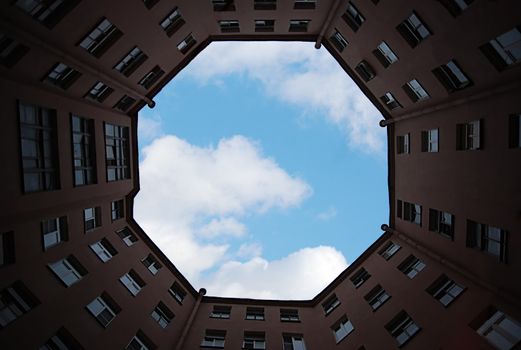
(263, 170)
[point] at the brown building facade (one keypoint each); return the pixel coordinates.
(76, 270)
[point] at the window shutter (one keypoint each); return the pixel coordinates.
(478, 134)
(425, 141)
(492, 55)
(64, 229)
(433, 220)
(513, 130)
(399, 208)
(460, 136)
(472, 239)
(451, 7)
(412, 95)
(381, 58)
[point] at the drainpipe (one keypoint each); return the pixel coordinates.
(190, 321)
(332, 11)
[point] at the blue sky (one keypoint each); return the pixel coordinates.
(262, 165)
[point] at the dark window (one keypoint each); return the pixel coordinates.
(264, 25)
(353, 17)
(415, 91)
(133, 282)
(505, 50)
(47, 12)
(140, 342)
(213, 339)
(10, 51)
(132, 60)
(413, 30)
(127, 236)
(445, 290)
(117, 209)
(68, 270)
(162, 315)
(62, 75)
(365, 70)
(172, 22)
(385, 54)
(456, 7)
(15, 300)
(84, 151)
(124, 103)
(389, 250)
(103, 249)
(62, 340)
(54, 231)
(39, 149)
(339, 41)
(104, 309)
(7, 249)
(412, 212)
(177, 292)
(289, 315)
(469, 135)
(305, 4)
(117, 152)
(99, 92)
(402, 328)
(399, 205)
(377, 297)
(223, 5)
(264, 4)
(298, 25)
(186, 44)
(330, 304)
(101, 38)
(223, 312)
(360, 277)
(229, 26)
(489, 239)
(152, 264)
(150, 3)
(254, 340)
(514, 130)
(342, 329)
(403, 144)
(441, 222)
(411, 266)
(499, 329)
(430, 140)
(452, 77)
(255, 313)
(389, 100)
(92, 218)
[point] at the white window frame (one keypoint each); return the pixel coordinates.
(97, 308)
(133, 287)
(418, 90)
(496, 331)
(101, 251)
(387, 52)
(505, 47)
(52, 238)
(343, 329)
(64, 270)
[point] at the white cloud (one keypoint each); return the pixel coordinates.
(223, 227)
(328, 214)
(149, 127)
(300, 275)
(296, 73)
(249, 250)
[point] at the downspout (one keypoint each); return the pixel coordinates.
(190, 321)
(332, 11)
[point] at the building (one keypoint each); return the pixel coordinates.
(77, 272)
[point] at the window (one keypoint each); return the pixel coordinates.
(415, 91)
(289, 315)
(452, 77)
(150, 3)
(441, 222)
(430, 140)
(117, 152)
(117, 209)
(15, 301)
(353, 17)
(230, 26)
(402, 328)
(500, 330)
(186, 44)
(132, 60)
(62, 75)
(403, 144)
(11, 51)
(360, 277)
(413, 30)
(152, 264)
(38, 148)
(68, 270)
(84, 151)
(162, 315)
(62, 340)
(54, 231)
(385, 54)
(514, 130)
(338, 40)
(127, 236)
(504, 50)
(151, 77)
(254, 340)
(213, 339)
(264, 25)
(411, 266)
(489, 239)
(365, 70)
(264, 4)
(389, 250)
(177, 292)
(221, 312)
(133, 282)
(104, 309)
(293, 342)
(412, 212)
(104, 250)
(305, 4)
(468, 135)
(389, 100)
(99, 92)
(456, 7)
(140, 342)
(223, 5)
(92, 218)
(100, 38)
(255, 313)
(298, 25)
(445, 290)
(124, 103)
(330, 304)
(172, 22)
(47, 12)
(377, 297)
(7, 249)
(342, 329)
